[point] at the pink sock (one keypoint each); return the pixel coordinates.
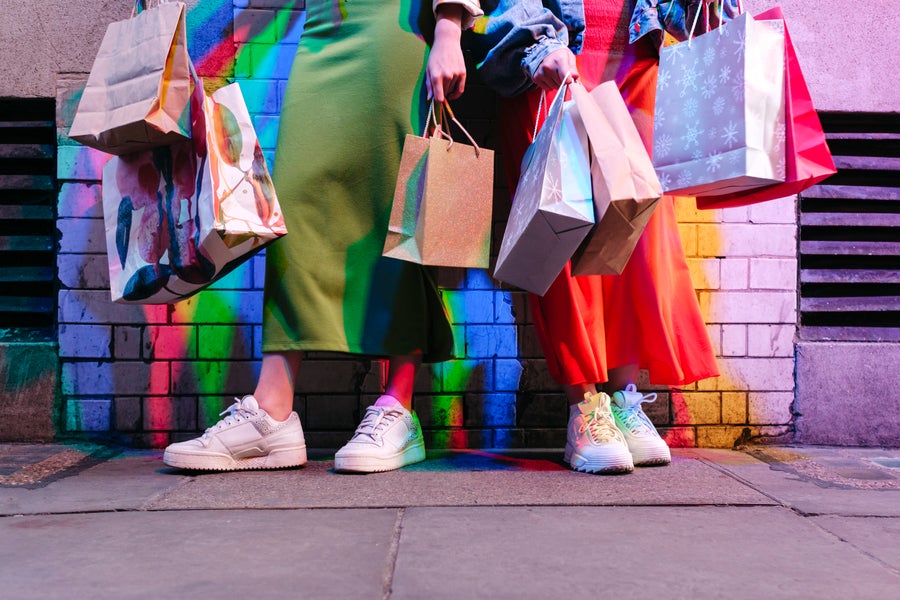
(386, 400)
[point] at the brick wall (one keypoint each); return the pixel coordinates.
(151, 374)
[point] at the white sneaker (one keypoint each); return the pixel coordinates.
(247, 438)
(644, 442)
(389, 437)
(593, 443)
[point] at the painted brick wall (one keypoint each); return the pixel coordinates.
(151, 374)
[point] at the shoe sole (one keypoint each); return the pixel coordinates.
(277, 459)
(370, 464)
(650, 456)
(599, 464)
(652, 461)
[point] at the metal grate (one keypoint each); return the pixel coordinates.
(28, 234)
(850, 234)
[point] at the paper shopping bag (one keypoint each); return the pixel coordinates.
(180, 217)
(719, 118)
(140, 84)
(443, 200)
(807, 157)
(552, 209)
(626, 189)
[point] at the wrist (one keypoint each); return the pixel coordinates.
(447, 14)
(448, 28)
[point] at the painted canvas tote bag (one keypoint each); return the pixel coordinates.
(182, 216)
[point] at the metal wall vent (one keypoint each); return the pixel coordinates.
(850, 234)
(28, 234)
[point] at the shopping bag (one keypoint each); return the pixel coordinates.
(443, 200)
(138, 91)
(626, 189)
(552, 209)
(807, 157)
(179, 217)
(719, 117)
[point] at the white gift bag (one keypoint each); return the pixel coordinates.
(552, 210)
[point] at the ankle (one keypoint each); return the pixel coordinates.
(576, 393)
(389, 400)
(278, 409)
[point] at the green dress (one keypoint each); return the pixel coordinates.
(354, 92)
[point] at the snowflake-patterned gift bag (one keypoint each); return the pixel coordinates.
(553, 209)
(807, 158)
(719, 122)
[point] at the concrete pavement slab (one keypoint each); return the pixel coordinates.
(461, 478)
(629, 552)
(815, 481)
(879, 537)
(323, 554)
(126, 481)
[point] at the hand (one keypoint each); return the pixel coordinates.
(549, 76)
(445, 72)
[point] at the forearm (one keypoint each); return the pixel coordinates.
(449, 22)
(465, 10)
(446, 67)
(515, 37)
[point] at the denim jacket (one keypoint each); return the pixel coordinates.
(679, 17)
(514, 37)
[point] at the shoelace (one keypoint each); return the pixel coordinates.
(634, 418)
(599, 424)
(233, 414)
(375, 421)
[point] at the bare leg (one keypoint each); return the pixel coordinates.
(575, 393)
(621, 377)
(401, 378)
(277, 379)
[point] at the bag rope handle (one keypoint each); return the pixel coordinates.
(446, 106)
(439, 130)
(719, 5)
(432, 119)
(537, 117)
(543, 100)
(694, 25)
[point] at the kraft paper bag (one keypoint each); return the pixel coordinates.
(552, 209)
(443, 200)
(626, 189)
(808, 160)
(719, 118)
(138, 91)
(180, 217)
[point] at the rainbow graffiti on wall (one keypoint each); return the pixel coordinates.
(192, 355)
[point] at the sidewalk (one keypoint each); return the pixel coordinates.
(80, 521)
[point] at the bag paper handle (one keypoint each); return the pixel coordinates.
(142, 5)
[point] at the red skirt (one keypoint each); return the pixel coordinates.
(648, 315)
